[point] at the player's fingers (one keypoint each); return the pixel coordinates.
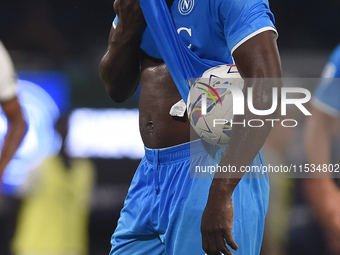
(213, 247)
(223, 247)
(230, 240)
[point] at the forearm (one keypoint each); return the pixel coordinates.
(258, 62)
(120, 66)
(320, 190)
(246, 141)
(318, 136)
(16, 131)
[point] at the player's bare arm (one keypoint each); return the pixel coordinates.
(256, 58)
(322, 193)
(15, 133)
(123, 67)
(120, 66)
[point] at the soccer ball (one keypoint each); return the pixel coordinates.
(210, 103)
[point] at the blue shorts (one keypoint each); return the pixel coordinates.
(163, 209)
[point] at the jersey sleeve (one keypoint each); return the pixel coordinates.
(114, 22)
(8, 89)
(326, 96)
(244, 19)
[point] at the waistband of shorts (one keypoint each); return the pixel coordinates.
(179, 152)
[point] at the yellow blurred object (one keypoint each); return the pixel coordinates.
(54, 218)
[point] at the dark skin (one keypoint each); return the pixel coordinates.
(62, 128)
(16, 131)
(257, 58)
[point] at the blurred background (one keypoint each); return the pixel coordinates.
(56, 46)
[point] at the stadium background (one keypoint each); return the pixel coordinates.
(71, 36)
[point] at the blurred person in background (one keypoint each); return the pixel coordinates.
(14, 135)
(323, 194)
(54, 217)
(11, 108)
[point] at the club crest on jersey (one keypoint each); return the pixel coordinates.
(185, 6)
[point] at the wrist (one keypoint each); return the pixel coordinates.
(223, 187)
(129, 31)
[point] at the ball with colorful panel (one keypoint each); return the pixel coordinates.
(210, 103)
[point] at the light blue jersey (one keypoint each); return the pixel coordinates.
(213, 29)
(327, 94)
(199, 34)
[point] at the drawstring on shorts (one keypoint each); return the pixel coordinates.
(156, 170)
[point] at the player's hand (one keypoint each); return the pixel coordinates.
(130, 15)
(216, 227)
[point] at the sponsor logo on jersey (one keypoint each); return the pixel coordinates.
(185, 6)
